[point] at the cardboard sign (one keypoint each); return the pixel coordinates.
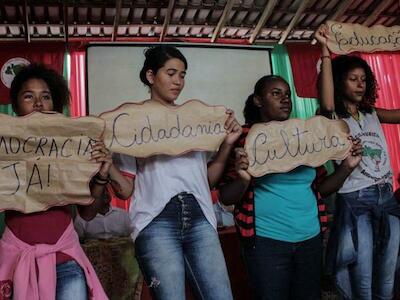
(149, 128)
(277, 147)
(344, 38)
(44, 160)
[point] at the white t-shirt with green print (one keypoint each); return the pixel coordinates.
(375, 164)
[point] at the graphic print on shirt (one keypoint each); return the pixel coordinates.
(374, 163)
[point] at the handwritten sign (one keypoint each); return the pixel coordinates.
(44, 160)
(149, 128)
(345, 38)
(277, 147)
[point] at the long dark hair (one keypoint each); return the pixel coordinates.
(156, 57)
(251, 112)
(341, 65)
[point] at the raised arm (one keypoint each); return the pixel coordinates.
(231, 192)
(325, 86)
(217, 166)
(122, 186)
(108, 173)
(391, 116)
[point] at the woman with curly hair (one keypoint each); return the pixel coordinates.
(364, 242)
(40, 254)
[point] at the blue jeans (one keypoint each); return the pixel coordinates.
(282, 270)
(372, 274)
(71, 282)
(180, 240)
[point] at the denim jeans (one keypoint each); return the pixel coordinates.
(71, 282)
(372, 274)
(282, 270)
(180, 240)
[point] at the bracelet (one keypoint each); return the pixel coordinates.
(96, 181)
(325, 56)
(102, 178)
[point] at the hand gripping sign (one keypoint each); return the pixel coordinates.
(277, 147)
(149, 128)
(45, 160)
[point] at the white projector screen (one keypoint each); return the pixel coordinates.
(215, 75)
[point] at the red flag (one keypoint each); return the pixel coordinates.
(305, 62)
(15, 55)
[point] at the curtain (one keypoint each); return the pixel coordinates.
(305, 61)
(386, 66)
(77, 83)
(6, 109)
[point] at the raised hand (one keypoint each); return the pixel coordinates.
(355, 155)
(101, 154)
(321, 34)
(241, 164)
(232, 127)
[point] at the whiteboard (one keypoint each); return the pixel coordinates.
(215, 75)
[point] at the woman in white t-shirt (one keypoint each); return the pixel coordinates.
(364, 246)
(174, 225)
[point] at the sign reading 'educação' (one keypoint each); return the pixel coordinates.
(344, 38)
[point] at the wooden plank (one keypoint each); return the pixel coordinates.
(222, 20)
(263, 19)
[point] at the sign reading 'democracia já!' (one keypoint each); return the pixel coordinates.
(278, 147)
(150, 127)
(45, 160)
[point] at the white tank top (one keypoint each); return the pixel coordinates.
(375, 164)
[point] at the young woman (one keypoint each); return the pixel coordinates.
(276, 215)
(365, 240)
(172, 213)
(40, 255)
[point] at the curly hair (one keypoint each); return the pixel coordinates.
(156, 57)
(341, 65)
(251, 112)
(56, 83)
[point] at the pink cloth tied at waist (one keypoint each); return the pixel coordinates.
(32, 268)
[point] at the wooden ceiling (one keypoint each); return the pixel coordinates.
(246, 21)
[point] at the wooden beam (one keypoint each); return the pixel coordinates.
(26, 21)
(32, 13)
(65, 19)
(222, 20)
(117, 16)
(263, 19)
(340, 11)
(294, 21)
(375, 14)
(129, 19)
(3, 14)
(167, 19)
